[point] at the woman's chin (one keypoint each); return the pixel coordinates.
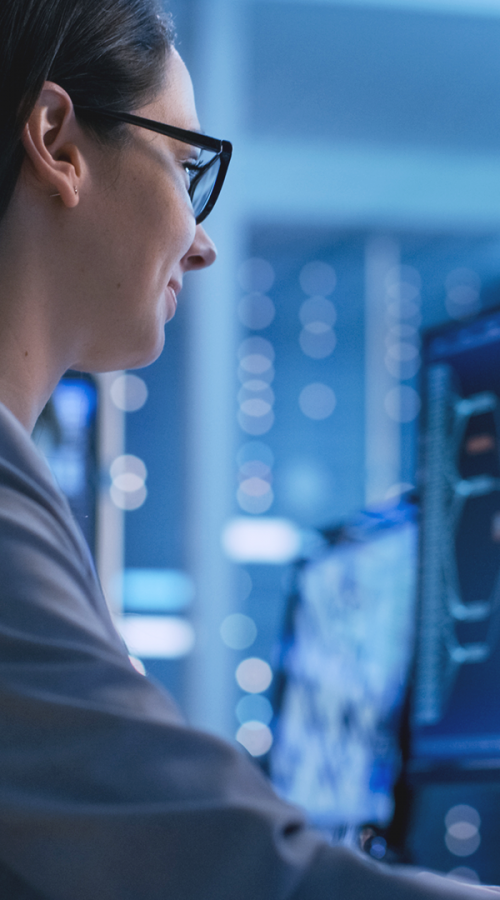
(149, 355)
(136, 357)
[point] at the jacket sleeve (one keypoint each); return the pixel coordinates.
(104, 791)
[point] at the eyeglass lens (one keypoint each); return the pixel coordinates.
(203, 185)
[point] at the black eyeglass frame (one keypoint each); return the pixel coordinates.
(222, 149)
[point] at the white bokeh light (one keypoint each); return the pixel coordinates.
(255, 503)
(255, 737)
(318, 278)
(254, 675)
(255, 487)
(129, 393)
(318, 340)
(128, 464)
(256, 275)
(255, 415)
(256, 407)
(128, 490)
(238, 631)
(256, 425)
(128, 501)
(255, 494)
(462, 846)
(318, 309)
(402, 404)
(462, 836)
(262, 540)
(129, 482)
(256, 311)
(317, 401)
(256, 355)
(157, 637)
(256, 364)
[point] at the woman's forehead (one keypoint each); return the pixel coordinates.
(176, 105)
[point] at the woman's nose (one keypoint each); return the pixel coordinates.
(202, 252)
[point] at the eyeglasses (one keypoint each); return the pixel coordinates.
(206, 175)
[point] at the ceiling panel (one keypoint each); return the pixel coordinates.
(373, 75)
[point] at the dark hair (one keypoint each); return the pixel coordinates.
(107, 54)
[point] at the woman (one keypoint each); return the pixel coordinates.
(104, 792)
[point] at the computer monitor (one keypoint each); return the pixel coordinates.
(344, 665)
(66, 433)
(455, 711)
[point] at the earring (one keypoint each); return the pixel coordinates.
(58, 195)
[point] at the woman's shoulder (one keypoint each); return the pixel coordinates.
(35, 517)
(29, 494)
(46, 570)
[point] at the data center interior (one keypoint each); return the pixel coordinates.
(296, 510)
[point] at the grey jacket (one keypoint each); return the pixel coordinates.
(105, 793)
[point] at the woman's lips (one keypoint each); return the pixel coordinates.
(171, 300)
(176, 287)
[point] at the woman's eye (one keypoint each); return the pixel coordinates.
(191, 168)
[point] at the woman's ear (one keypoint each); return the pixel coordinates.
(50, 139)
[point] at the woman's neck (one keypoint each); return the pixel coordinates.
(34, 351)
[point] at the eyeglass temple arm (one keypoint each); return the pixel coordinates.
(180, 134)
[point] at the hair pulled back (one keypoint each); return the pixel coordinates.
(107, 54)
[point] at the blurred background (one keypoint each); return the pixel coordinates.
(366, 156)
(362, 205)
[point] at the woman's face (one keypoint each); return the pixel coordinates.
(137, 236)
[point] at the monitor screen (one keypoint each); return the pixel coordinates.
(455, 717)
(66, 433)
(345, 663)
